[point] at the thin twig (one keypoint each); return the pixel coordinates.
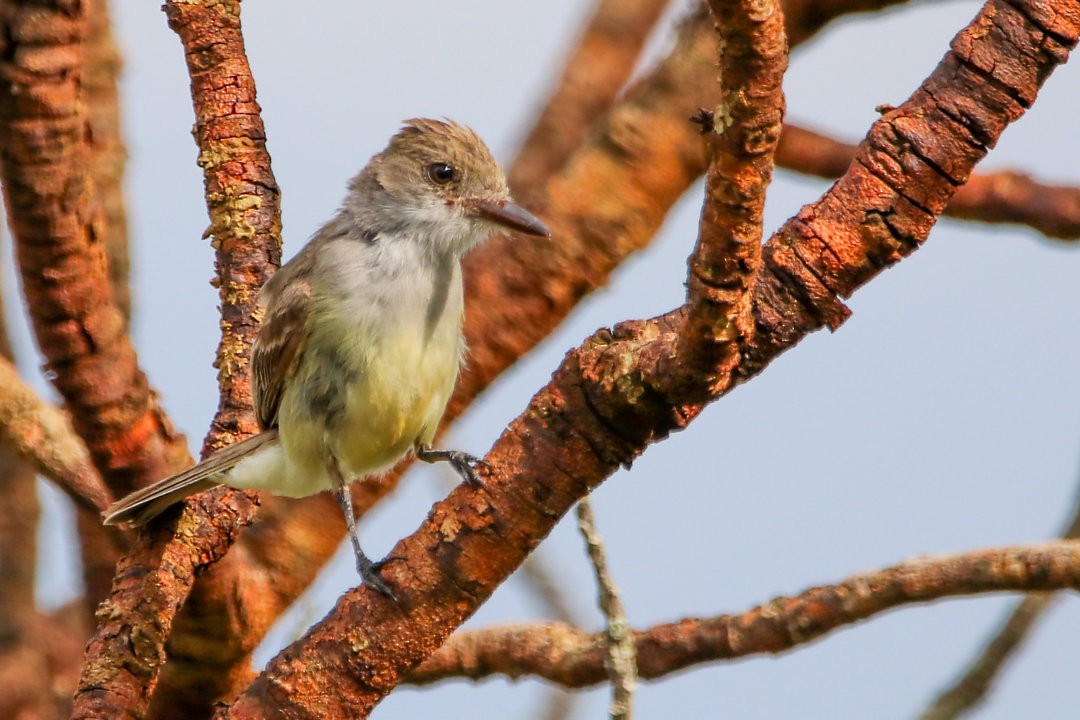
(621, 658)
(574, 658)
(971, 688)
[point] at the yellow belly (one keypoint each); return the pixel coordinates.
(395, 402)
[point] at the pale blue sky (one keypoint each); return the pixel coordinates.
(941, 417)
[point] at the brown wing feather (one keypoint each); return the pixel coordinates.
(278, 344)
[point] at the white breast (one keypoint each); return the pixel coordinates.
(398, 340)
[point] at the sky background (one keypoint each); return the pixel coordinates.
(941, 417)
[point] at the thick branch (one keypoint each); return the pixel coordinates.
(999, 197)
(575, 658)
(108, 156)
(57, 229)
(601, 409)
(42, 436)
(744, 130)
(156, 577)
(595, 71)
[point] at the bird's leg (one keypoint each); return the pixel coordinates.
(462, 462)
(369, 571)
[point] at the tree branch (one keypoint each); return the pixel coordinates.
(744, 130)
(998, 197)
(595, 71)
(154, 579)
(602, 406)
(620, 653)
(57, 230)
(574, 658)
(42, 436)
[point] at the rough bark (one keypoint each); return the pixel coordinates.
(58, 232)
(998, 197)
(574, 658)
(154, 579)
(605, 403)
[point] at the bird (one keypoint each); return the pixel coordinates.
(361, 341)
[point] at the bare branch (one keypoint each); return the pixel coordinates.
(594, 73)
(156, 577)
(620, 654)
(42, 436)
(999, 197)
(574, 658)
(743, 130)
(57, 230)
(603, 407)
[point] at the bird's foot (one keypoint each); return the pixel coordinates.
(369, 572)
(463, 463)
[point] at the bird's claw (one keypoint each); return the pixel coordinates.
(466, 466)
(369, 573)
(463, 463)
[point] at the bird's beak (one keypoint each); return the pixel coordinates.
(510, 216)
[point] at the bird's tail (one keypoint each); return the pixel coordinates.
(142, 505)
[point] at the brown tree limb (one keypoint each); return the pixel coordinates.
(517, 294)
(593, 75)
(743, 130)
(155, 578)
(108, 157)
(603, 406)
(574, 658)
(57, 230)
(998, 197)
(803, 19)
(972, 686)
(42, 436)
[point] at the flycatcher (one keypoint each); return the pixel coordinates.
(361, 340)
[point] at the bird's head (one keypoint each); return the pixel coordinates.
(438, 180)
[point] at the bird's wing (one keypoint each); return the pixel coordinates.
(280, 340)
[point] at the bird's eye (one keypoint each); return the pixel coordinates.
(440, 173)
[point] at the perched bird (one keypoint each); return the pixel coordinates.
(361, 340)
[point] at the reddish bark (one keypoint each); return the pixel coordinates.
(805, 18)
(108, 157)
(574, 658)
(743, 129)
(998, 197)
(603, 407)
(153, 580)
(593, 75)
(58, 237)
(278, 566)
